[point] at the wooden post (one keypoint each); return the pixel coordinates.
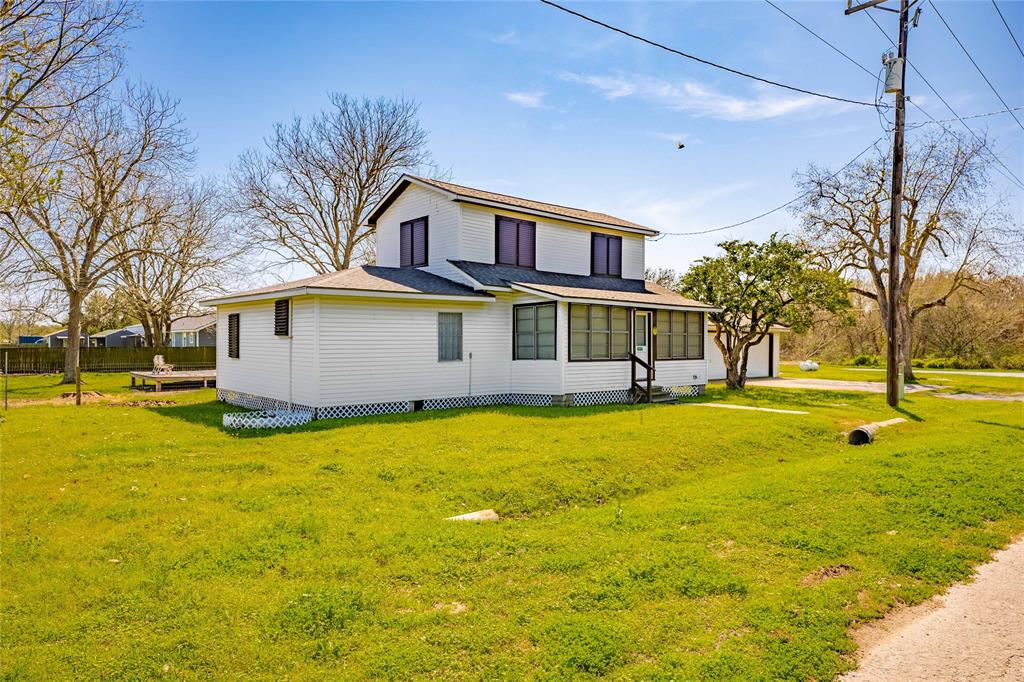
(78, 385)
(5, 380)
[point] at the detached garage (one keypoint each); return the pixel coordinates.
(763, 361)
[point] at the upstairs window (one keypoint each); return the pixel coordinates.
(414, 243)
(534, 332)
(515, 242)
(605, 255)
(233, 335)
(680, 335)
(281, 317)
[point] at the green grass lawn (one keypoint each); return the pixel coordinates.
(639, 542)
(948, 379)
(45, 386)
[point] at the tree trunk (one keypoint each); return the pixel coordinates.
(71, 350)
(735, 371)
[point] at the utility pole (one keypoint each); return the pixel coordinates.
(894, 373)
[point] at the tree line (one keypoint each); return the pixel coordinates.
(100, 204)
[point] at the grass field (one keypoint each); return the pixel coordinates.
(636, 542)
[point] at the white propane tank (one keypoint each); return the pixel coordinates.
(808, 366)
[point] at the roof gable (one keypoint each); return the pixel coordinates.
(481, 197)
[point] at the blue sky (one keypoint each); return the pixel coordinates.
(523, 99)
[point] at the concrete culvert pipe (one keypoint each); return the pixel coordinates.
(864, 434)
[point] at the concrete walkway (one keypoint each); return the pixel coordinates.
(922, 370)
(836, 385)
(974, 632)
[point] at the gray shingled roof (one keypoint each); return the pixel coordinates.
(576, 286)
(370, 278)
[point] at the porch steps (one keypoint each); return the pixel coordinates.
(659, 394)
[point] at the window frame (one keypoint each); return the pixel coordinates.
(412, 242)
(670, 333)
(234, 336)
(461, 336)
(536, 345)
(608, 238)
(589, 331)
(277, 321)
(497, 240)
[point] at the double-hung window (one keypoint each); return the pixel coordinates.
(605, 255)
(515, 242)
(449, 337)
(414, 243)
(598, 332)
(533, 332)
(680, 335)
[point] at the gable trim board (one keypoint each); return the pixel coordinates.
(468, 195)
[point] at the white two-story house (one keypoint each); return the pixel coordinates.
(477, 298)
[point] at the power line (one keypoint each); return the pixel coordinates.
(957, 116)
(706, 62)
(1008, 29)
(777, 208)
(811, 31)
(966, 52)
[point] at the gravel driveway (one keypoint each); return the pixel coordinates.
(974, 632)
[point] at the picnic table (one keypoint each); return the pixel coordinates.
(161, 378)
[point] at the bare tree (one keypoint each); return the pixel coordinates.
(306, 195)
(185, 253)
(54, 54)
(111, 155)
(946, 223)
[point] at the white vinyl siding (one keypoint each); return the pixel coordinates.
(268, 365)
(561, 247)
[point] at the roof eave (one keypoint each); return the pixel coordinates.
(461, 198)
(352, 293)
(616, 301)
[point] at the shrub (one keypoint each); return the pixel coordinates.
(1013, 362)
(867, 361)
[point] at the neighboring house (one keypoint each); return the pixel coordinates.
(195, 330)
(59, 339)
(131, 336)
(477, 298)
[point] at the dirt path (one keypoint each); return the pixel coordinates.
(974, 632)
(922, 370)
(836, 385)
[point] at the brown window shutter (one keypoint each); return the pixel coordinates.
(233, 335)
(615, 256)
(281, 317)
(598, 254)
(527, 244)
(506, 241)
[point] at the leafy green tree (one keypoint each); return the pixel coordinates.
(757, 286)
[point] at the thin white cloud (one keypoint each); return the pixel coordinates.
(506, 38)
(530, 100)
(697, 98)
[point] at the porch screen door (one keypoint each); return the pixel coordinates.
(642, 335)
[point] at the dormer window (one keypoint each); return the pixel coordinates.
(414, 243)
(605, 255)
(515, 242)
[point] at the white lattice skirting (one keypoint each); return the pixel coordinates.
(266, 419)
(272, 406)
(686, 391)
